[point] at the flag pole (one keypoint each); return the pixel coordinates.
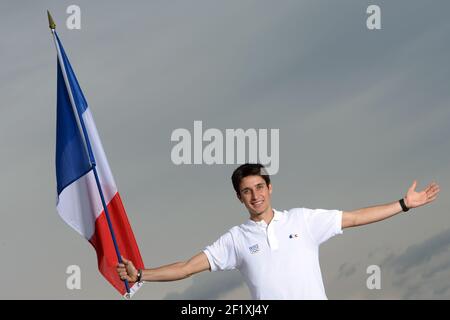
(52, 27)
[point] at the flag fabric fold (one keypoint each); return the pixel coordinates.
(78, 149)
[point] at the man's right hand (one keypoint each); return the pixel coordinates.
(127, 271)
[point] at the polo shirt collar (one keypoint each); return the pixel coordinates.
(277, 216)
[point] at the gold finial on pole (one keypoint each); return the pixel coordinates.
(51, 23)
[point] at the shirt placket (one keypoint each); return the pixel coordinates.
(271, 237)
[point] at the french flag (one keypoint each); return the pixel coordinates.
(85, 183)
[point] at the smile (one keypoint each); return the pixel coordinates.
(257, 203)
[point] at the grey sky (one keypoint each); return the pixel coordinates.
(361, 115)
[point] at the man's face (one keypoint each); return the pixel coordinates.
(254, 193)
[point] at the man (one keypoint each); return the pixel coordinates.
(277, 252)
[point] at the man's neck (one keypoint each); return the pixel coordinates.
(267, 216)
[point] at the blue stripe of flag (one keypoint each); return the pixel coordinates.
(77, 94)
(72, 160)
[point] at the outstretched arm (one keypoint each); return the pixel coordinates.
(413, 199)
(170, 272)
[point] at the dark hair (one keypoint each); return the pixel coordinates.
(248, 169)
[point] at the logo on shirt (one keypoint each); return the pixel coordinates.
(254, 249)
(293, 235)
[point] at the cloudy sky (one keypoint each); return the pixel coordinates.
(360, 113)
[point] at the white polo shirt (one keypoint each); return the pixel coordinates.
(279, 260)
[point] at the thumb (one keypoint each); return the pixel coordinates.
(413, 187)
(125, 261)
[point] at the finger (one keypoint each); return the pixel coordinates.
(120, 265)
(432, 198)
(432, 186)
(125, 277)
(433, 190)
(435, 186)
(413, 186)
(432, 194)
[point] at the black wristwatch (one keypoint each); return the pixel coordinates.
(139, 277)
(402, 203)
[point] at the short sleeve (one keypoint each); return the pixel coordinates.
(222, 253)
(323, 224)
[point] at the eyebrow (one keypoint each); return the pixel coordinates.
(256, 185)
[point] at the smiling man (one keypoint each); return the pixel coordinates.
(277, 252)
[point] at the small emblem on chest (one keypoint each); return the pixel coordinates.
(254, 248)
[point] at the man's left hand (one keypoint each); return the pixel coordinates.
(416, 199)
